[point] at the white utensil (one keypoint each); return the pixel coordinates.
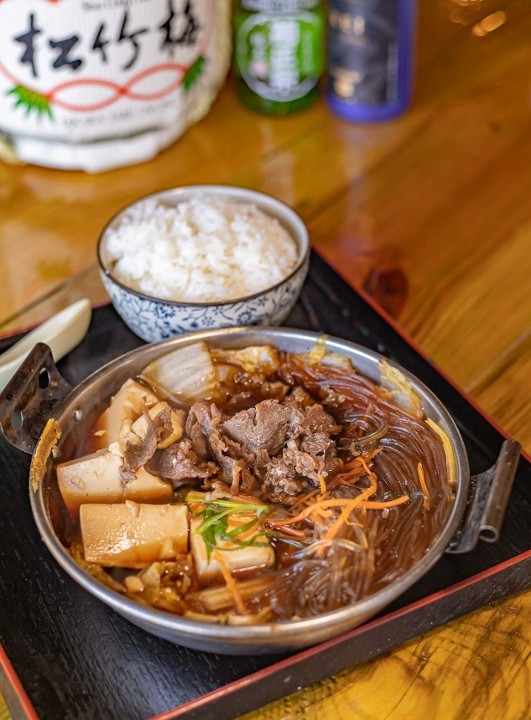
(62, 332)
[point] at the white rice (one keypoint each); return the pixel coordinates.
(206, 249)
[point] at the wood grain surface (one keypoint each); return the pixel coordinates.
(431, 214)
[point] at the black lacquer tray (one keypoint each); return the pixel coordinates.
(66, 655)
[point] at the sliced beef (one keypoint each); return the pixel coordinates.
(317, 443)
(227, 453)
(311, 466)
(308, 455)
(284, 446)
(331, 398)
(136, 455)
(303, 463)
(263, 427)
(194, 431)
(180, 464)
(317, 420)
(281, 483)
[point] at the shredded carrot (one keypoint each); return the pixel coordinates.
(377, 505)
(321, 507)
(422, 480)
(355, 469)
(365, 466)
(353, 523)
(322, 485)
(293, 532)
(306, 512)
(361, 501)
(249, 532)
(343, 516)
(361, 460)
(353, 473)
(352, 505)
(230, 582)
(304, 498)
(354, 464)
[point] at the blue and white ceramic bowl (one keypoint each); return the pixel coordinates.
(154, 319)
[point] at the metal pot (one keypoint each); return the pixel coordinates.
(38, 393)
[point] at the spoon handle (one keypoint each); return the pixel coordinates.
(61, 333)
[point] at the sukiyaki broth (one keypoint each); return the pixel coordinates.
(256, 485)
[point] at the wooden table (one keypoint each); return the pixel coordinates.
(431, 214)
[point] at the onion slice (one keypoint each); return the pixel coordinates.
(400, 389)
(186, 374)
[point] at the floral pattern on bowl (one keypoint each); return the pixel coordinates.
(155, 320)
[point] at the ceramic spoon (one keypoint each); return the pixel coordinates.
(62, 332)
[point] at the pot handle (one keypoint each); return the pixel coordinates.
(30, 398)
(488, 496)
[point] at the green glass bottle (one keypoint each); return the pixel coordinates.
(278, 53)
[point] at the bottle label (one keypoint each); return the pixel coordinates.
(363, 51)
(85, 70)
(279, 7)
(280, 58)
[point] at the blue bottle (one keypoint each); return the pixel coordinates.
(370, 58)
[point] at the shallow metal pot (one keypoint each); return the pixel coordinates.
(38, 392)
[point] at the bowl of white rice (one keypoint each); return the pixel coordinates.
(203, 256)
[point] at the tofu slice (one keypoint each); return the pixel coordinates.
(133, 535)
(126, 407)
(96, 479)
(237, 560)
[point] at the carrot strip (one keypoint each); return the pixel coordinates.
(306, 512)
(340, 503)
(322, 506)
(422, 480)
(293, 532)
(365, 466)
(353, 474)
(249, 532)
(304, 498)
(377, 505)
(343, 517)
(353, 464)
(230, 582)
(352, 505)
